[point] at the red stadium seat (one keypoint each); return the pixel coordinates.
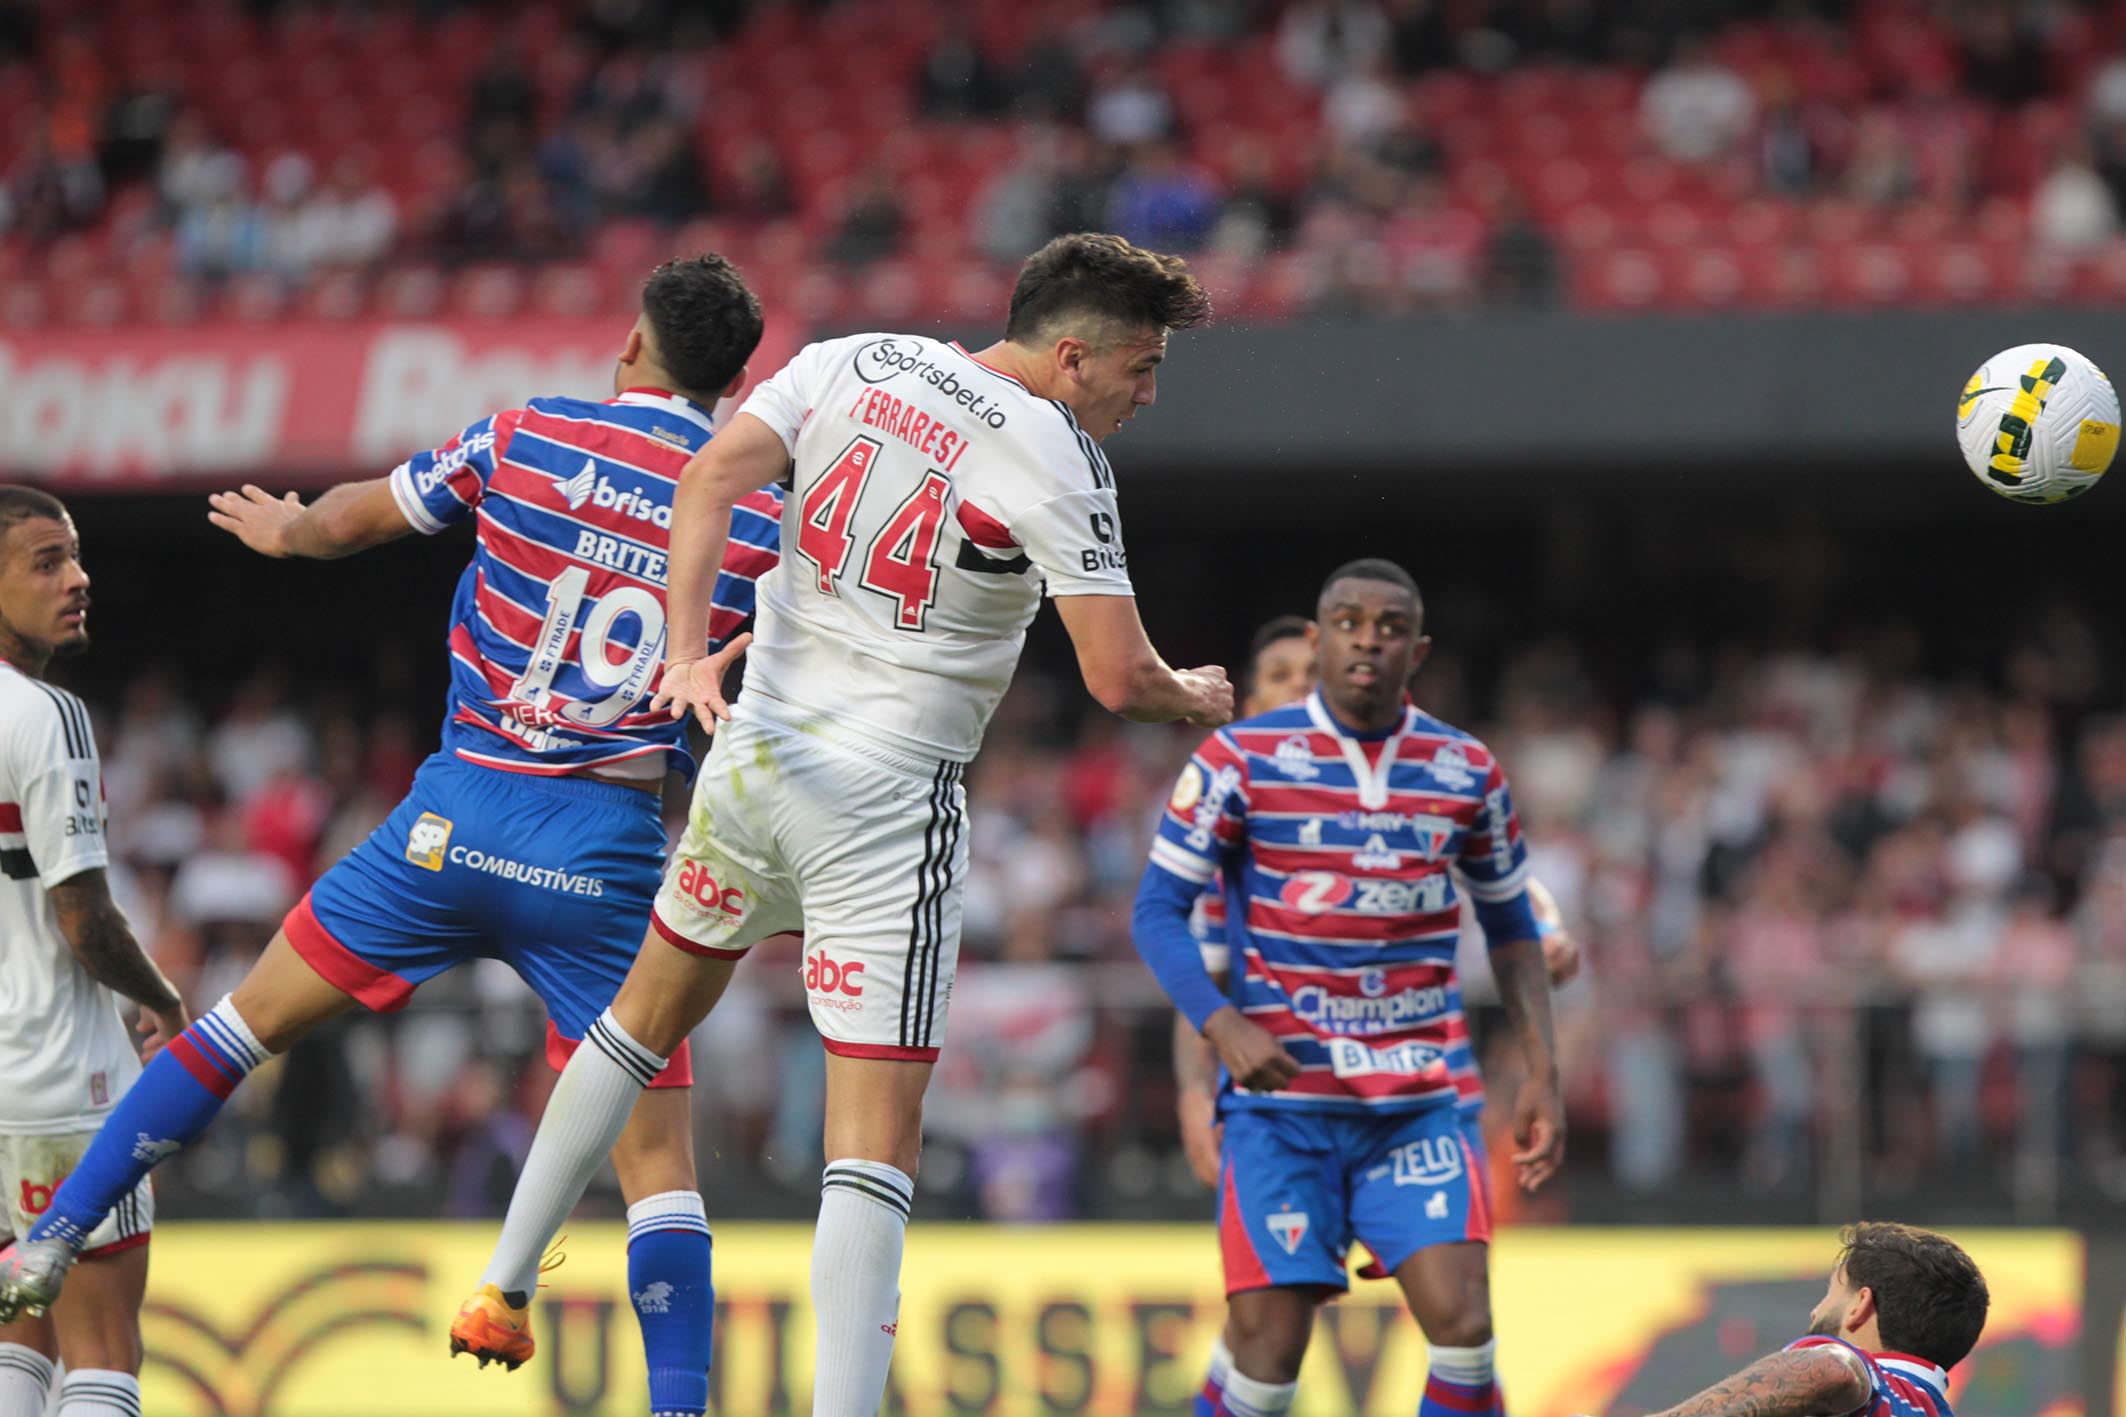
(24, 305)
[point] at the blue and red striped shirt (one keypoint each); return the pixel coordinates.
(1902, 1385)
(1343, 858)
(557, 633)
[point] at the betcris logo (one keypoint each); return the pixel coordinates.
(631, 502)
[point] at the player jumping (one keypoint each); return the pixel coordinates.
(1905, 1305)
(1344, 828)
(937, 495)
(534, 836)
(66, 953)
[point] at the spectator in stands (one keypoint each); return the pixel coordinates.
(1418, 37)
(662, 178)
(2072, 209)
(1882, 171)
(1048, 83)
(356, 220)
(1519, 266)
(1129, 107)
(1319, 41)
(873, 221)
(55, 187)
(136, 124)
(1011, 212)
(185, 177)
(221, 235)
(1696, 110)
(1363, 105)
(956, 79)
(1257, 217)
(1162, 201)
(760, 190)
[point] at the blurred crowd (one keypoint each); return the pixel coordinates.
(1360, 153)
(1844, 924)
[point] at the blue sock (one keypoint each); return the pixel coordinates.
(178, 1094)
(668, 1279)
(1213, 1391)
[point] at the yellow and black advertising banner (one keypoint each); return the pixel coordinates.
(352, 1320)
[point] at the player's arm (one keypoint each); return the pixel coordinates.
(1196, 1096)
(1799, 1382)
(1127, 676)
(1494, 869)
(97, 932)
(745, 456)
(353, 516)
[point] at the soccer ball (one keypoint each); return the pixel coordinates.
(2038, 423)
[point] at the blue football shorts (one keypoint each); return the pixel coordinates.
(551, 875)
(1296, 1188)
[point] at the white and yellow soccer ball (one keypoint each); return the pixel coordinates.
(2038, 423)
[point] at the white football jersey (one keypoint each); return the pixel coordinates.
(932, 502)
(65, 1055)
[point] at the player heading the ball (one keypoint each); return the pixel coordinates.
(936, 496)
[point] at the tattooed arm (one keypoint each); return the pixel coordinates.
(1822, 1381)
(97, 932)
(1539, 1111)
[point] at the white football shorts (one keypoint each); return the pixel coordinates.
(799, 825)
(31, 1168)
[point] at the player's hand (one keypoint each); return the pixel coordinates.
(1250, 1052)
(1538, 1132)
(697, 684)
(158, 1026)
(1561, 957)
(256, 518)
(1212, 695)
(1201, 1133)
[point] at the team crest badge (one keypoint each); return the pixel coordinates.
(427, 841)
(1295, 756)
(1188, 791)
(1289, 1227)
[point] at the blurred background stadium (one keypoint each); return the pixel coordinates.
(1632, 327)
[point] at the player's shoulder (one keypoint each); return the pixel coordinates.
(1259, 734)
(36, 713)
(1430, 736)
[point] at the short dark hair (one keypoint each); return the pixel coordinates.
(1930, 1299)
(1374, 568)
(19, 504)
(706, 320)
(1102, 279)
(1284, 627)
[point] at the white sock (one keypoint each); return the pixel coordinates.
(584, 1117)
(1221, 1362)
(1471, 1367)
(1245, 1397)
(856, 1284)
(25, 1378)
(98, 1392)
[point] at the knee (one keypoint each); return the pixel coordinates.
(1266, 1348)
(1471, 1329)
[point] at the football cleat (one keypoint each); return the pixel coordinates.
(494, 1330)
(31, 1273)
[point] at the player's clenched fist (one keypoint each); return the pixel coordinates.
(1214, 696)
(1250, 1052)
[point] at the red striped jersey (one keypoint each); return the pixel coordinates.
(1344, 857)
(1903, 1386)
(557, 633)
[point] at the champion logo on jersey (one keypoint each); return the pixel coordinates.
(1310, 832)
(1289, 1227)
(1295, 756)
(1436, 1208)
(578, 489)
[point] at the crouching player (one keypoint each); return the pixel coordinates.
(1343, 827)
